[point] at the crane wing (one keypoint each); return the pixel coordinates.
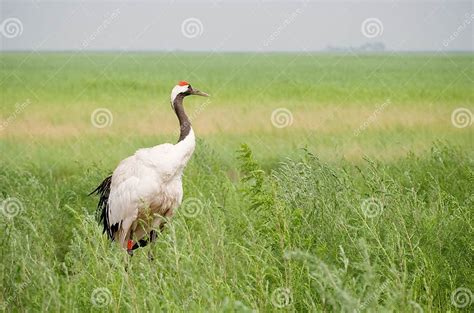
(135, 182)
(138, 181)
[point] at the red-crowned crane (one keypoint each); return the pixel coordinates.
(146, 188)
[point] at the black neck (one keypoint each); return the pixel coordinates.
(184, 123)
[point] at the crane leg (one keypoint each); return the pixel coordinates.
(140, 232)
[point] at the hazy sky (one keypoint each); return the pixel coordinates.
(235, 25)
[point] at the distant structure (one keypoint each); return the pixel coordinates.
(367, 47)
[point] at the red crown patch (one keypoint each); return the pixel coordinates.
(183, 83)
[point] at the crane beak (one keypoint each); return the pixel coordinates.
(199, 93)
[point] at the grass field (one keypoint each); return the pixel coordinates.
(356, 196)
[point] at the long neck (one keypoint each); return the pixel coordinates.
(184, 123)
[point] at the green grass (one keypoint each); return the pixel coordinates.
(310, 217)
(243, 79)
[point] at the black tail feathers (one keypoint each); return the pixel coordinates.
(103, 191)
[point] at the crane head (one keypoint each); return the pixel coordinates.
(185, 89)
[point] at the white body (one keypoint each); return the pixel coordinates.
(146, 186)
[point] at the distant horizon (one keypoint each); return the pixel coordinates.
(241, 51)
(248, 26)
